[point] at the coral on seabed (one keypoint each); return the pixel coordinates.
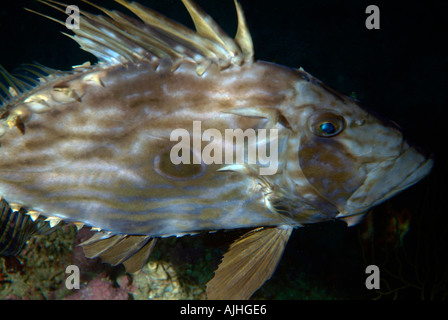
(102, 288)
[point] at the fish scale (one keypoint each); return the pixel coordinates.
(92, 146)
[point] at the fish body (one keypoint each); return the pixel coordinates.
(110, 158)
(94, 146)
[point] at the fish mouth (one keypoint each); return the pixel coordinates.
(421, 171)
(388, 178)
(407, 169)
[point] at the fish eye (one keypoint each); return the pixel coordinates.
(327, 128)
(327, 124)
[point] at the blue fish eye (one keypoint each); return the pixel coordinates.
(328, 128)
(327, 124)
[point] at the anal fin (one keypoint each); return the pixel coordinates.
(131, 250)
(249, 263)
(137, 261)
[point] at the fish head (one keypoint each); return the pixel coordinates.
(343, 158)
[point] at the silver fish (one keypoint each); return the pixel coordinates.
(92, 146)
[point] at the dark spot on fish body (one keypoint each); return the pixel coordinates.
(165, 167)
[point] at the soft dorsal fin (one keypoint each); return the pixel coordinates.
(118, 38)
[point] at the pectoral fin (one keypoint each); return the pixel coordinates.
(249, 263)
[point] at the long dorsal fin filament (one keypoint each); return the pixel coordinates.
(117, 38)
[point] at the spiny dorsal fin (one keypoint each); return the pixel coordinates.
(22, 82)
(243, 37)
(132, 251)
(26, 78)
(249, 263)
(208, 28)
(118, 38)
